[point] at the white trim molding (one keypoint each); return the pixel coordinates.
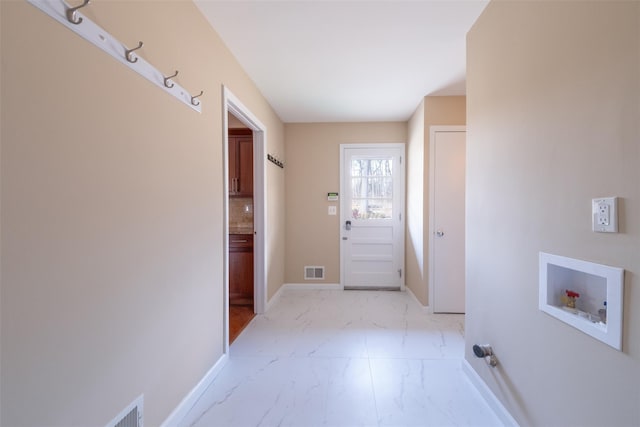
(275, 298)
(311, 286)
(424, 308)
(314, 286)
(491, 399)
(179, 414)
(231, 104)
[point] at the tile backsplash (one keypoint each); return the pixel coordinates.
(240, 212)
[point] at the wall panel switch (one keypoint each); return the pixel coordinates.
(605, 214)
(332, 210)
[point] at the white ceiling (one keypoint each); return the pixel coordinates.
(338, 61)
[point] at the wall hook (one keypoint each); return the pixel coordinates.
(128, 52)
(166, 80)
(71, 13)
(193, 98)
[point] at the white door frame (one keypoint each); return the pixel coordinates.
(343, 184)
(432, 207)
(231, 104)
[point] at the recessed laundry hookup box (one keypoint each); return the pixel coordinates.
(586, 295)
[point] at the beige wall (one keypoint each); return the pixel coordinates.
(112, 213)
(415, 277)
(553, 93)
(276, 213)
(432, 111)
(1, 115)
(312, 170)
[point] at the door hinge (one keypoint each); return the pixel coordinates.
(400, 159)
(400, 273)
(399, 217)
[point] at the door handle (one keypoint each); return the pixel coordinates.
(439, 233)
(347, 225)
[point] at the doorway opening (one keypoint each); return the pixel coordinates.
(240, 199)
(245, 217)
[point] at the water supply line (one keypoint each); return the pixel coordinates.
(485, 352)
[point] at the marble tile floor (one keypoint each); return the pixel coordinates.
(344, 358)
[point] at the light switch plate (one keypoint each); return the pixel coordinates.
(604, 214)
(332, 210)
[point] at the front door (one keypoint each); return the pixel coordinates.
(372, 215)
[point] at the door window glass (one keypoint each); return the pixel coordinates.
(372, 188)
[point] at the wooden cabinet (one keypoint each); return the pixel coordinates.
(241, 269)
(240, 163)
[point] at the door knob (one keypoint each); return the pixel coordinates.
(348, 225)
(439, 233)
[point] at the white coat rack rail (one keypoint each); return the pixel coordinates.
(71, 18)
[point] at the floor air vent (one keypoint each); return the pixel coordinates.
(131, 416)
(312, 272)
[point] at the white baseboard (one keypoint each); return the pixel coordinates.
(424, 308)
(274, 298)
(314, 286)
(177, 417)
(325, 287)
(487, 394)
(309, 286)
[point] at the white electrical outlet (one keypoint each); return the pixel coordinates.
(605, 214)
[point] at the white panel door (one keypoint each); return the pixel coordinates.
(372, 214)
(448, 249)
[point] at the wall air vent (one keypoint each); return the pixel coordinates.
(131, 416)
(313, 272)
